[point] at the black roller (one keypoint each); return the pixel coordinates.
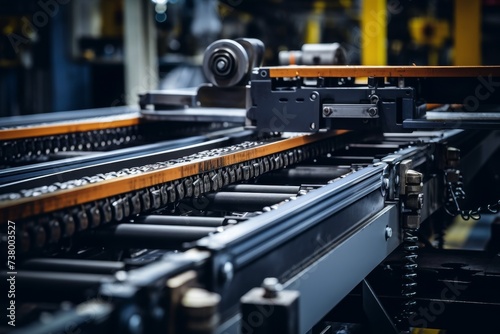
(34, 286)
(228, 63)
(304, 175)
(180, 221)
(243, 202)
(256, 188)
(74, 266)
(148, 236)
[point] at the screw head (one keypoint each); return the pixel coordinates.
(327, 111)
(313, 96)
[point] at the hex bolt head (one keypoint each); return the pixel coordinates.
(327, 111)
(373, 111)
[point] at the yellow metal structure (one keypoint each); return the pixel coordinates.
(467, 32)
(313, 28)
(429, 31)
(374, 32)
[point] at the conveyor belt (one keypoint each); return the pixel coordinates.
(273, 221)
(37, 175)
(59, 128)
(49, 199)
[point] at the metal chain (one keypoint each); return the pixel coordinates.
(117, 208)
(455, 194)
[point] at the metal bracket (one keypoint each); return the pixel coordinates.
(350, 111)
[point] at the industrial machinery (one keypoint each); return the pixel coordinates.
(297, 200)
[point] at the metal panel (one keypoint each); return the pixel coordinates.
(329, 279)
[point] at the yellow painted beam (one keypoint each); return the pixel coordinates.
(314, 23)
(467, 31)
(374, 32)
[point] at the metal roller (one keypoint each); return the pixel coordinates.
(257, 188)
(315, 54)
(304, 175)
(148, 236)
(180, 221)
(238, 201)
(227, 63)
(74, 266)
(55, 286)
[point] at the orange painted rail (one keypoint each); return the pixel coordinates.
(59, 128)
(383, 71)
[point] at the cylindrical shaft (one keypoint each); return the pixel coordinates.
(149, 236)
(303, 175)
(237, 201)
(257, 188)
(74, 266)
(37, 286)
(180, 221)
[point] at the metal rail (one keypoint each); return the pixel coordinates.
(383, 71)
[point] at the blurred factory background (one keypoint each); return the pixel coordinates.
(60, 55)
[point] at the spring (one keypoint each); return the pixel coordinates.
(409, 280)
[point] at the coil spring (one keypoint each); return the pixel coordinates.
(409, 280)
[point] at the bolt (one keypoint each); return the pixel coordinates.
(388, 232)
(271, 287)
(373, 111)
(327, 111)
(312, 126)
(313, 96)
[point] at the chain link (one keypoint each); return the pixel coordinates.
(455, 194)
